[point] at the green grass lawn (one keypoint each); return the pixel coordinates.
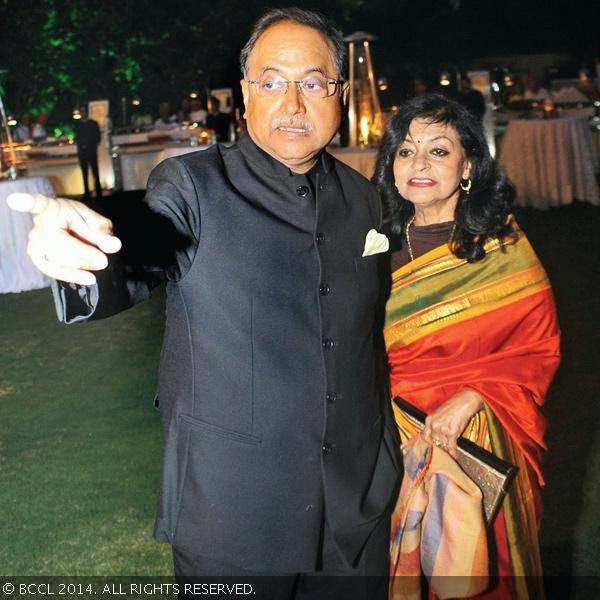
(80, 441)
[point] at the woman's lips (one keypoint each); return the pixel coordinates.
(421, 182)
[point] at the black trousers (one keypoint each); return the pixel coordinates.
(87, 161)
(335, 580)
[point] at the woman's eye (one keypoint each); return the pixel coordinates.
(404, 152)
(439, 152)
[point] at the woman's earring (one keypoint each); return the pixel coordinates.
(466, 187)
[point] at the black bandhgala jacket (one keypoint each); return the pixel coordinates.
(271, 387)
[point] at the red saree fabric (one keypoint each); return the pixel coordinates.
(489, 326)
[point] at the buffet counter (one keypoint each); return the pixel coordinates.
(63, 172)
(134, 163)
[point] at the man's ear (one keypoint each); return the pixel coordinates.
(245, 95)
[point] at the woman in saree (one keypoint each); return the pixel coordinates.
(471, 331)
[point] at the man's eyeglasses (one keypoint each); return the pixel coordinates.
(315, 86)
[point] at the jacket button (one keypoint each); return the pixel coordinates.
(328, 344)
(320, 238)
(324, 289)
(302, 191)
(331, 397)
(327, 448)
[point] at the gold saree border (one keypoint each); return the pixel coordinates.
(439, 290)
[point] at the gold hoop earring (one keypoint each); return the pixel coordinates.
(467, 186)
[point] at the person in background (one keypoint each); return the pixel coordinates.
(472, 99)
(38, 130)
(197, 113)
(166, 120)
(419, 87)
(87, 138)
(22, 131)
(532, 90)
(218, 121)
(471, 329)
(183, 114)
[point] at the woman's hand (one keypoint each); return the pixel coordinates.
(448, 421)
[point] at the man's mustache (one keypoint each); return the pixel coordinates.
(293, 123)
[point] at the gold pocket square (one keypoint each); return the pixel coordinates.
(375, 243)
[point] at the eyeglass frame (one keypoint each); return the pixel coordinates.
(337, 82)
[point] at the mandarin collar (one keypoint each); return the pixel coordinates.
(272, 167)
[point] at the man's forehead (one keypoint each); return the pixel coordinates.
(289, 45)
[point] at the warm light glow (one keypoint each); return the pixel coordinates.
(364, 127)
(495, 87)
(193, 94)
(76, 114)
(11, 121)
(135, 101)
(508, 80)
(444, 79)
(361, 59)
(382, 84)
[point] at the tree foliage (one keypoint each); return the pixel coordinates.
(61, 53)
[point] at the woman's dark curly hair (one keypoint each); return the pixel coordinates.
(480, 215)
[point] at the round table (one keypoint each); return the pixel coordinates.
(550, 161)
(17, 272)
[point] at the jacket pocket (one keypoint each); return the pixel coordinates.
(215, 430)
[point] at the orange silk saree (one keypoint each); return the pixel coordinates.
(489, 326)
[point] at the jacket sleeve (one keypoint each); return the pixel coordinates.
(160, 238)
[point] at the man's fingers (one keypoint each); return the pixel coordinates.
(64, 274)
(63, 251)
(31, 203)
(53, 214)
(93, 228)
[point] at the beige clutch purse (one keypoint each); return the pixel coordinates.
(492, 475)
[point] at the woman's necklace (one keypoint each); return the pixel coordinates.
(407, 236)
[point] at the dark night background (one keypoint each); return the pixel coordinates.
(58, 54)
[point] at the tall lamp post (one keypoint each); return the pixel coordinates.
(365, 121)
(7, 146)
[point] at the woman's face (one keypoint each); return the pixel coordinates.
(428, 168)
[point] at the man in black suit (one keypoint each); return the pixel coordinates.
(280, 450)
(218, 121)
(87, 138)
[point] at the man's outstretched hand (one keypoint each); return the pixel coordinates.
(68, 240)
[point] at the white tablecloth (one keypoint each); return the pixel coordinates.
(17, 272)
(550, 161)
(136, 166)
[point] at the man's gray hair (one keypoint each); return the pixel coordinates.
(302, 17)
